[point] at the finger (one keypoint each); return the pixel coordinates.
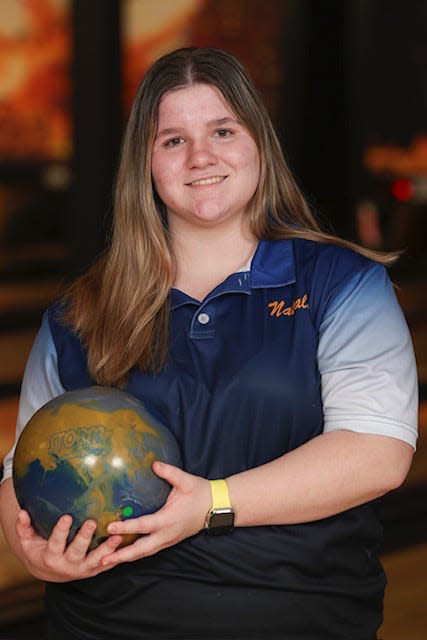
(146, 545)
(78, 548)
(26, 533)
(173, 475)
(142, 525)
(23, 524)
(140, 548)
(107, 548)
(58, 538)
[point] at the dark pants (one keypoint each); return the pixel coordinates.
(54, 634)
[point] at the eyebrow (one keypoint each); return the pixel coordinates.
(215, 122)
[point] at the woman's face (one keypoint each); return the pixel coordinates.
(205, 163)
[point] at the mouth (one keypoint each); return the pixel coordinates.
(202, 182)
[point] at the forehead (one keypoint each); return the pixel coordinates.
(185, 102)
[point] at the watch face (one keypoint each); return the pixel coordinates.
(220, 521)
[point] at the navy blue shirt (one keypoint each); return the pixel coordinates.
(271, 358)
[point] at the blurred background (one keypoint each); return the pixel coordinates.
(345, 83)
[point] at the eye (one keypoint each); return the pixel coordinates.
(223, 133)
(173, 142)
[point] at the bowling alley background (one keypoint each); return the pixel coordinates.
(345, 83)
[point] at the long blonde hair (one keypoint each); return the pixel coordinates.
(120, 307)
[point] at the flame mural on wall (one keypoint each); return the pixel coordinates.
(35, 58)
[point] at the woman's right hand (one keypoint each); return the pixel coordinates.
(53, 560)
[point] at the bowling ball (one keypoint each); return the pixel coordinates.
(88, 453)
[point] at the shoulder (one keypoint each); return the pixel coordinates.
(72, 357)
(56, 310)
(59, 329)
(331, 265)
(326, 256)
(333, 273)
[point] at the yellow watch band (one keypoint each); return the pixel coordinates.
(220, 495)
(220, 518)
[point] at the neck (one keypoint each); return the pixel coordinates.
(205, 258)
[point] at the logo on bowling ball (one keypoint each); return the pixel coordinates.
(89, 453)
(74, 442)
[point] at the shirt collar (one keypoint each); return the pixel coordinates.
(272, 266)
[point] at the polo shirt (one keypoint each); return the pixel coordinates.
(309, 340)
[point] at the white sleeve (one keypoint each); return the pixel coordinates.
(366, 361)
(40, 384)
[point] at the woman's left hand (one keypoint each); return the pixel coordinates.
(182, 516)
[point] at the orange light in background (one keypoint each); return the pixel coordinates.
(389, 159)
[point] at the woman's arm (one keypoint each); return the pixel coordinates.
(329, 474)
(52, 559)
(9, 510)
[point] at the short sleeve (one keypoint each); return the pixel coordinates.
(40, 384)
(366, 360)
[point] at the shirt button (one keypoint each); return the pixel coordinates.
(203, 318)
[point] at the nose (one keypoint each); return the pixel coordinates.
(201, 154)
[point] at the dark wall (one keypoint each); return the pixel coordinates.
(355, 75)
(97, 126)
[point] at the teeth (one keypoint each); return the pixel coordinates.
(204, 181)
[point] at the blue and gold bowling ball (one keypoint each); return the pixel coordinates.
(88, 453)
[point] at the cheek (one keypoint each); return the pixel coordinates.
(162, 176)
(256, 165)
(251, 165)
(246, 159)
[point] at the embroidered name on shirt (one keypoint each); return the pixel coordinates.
(279, 308)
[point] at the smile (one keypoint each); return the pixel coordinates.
(206, 181)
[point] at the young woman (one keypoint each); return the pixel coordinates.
(276, 354)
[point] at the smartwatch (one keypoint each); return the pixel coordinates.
(220, 517)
